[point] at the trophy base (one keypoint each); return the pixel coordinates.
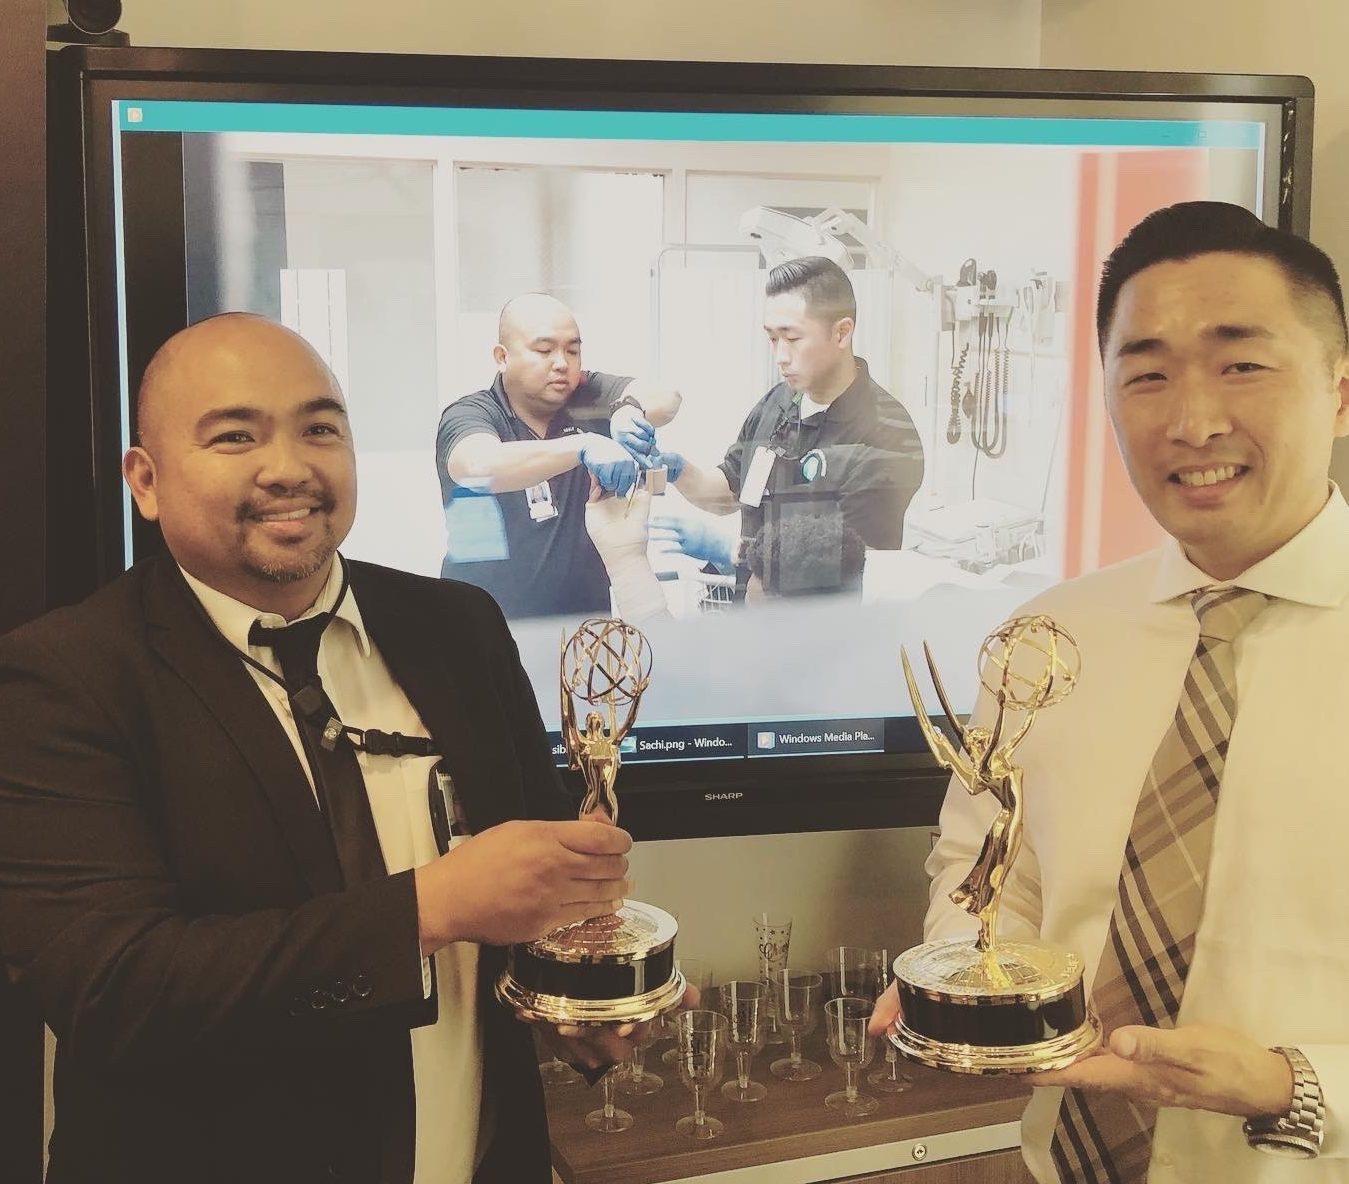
(608, 970)
(1017, 1008)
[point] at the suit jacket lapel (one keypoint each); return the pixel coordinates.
(415, 640)
(182, 635)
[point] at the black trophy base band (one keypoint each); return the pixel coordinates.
(591, 980)
(991, 1023)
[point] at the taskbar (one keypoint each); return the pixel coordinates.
(758, 739)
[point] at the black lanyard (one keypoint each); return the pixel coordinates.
(367, 740)
(788, 427)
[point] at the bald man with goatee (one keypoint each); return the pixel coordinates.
(262, 962)
(517, 462)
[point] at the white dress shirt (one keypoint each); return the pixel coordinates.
(1272, 949)
(446, 1056)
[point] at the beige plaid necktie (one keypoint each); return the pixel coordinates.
(1105, 1138)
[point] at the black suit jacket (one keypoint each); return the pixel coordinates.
(169, 893)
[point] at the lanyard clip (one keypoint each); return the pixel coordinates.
(332, 733)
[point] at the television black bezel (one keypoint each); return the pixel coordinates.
(664, 801)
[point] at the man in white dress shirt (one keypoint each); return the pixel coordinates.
(1227, 381)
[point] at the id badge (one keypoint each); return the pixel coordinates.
(448, 824)
(540, 500)
(755, 484)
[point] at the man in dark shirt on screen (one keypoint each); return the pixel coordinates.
(516, 462)
(826, 440)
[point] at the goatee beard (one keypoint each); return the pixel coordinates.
(296, 568)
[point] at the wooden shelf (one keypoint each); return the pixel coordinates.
(791, 1123)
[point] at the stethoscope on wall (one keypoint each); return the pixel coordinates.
(992, 375)
(981, 399)
(967, 279)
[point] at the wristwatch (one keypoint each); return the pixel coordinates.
(1297, 1134)
(627, 401)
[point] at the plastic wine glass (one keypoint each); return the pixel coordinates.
(851, 971)
(701, 1037)
(773, 937)
(553, 1070)
(742, 1002)
(845, 1023)
(887, 1077)
(609, 1118)
(638, 1081)
(555, 1073)
(698, 973)
(798, 995)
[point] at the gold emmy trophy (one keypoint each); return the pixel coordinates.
(620, 968)
(992, 1006)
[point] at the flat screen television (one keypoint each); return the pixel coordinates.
(386, 207)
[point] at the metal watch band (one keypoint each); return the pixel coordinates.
(627, 401)
(1297, 1134)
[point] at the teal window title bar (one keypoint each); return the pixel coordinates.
(756, 127)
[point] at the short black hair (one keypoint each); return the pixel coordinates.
(807, 553)
(1190, 228)
(822, 282)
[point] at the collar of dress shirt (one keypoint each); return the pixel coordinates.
(234, 618)
(1310, 568)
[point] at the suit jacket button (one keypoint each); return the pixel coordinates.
(319, 999)
(341, 993)
(361, 987)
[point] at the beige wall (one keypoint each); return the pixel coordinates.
(1227, 36)
(1237, 37)
(947, 32)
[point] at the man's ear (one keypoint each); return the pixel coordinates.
(141, 477)
(499, 356)
(843, 331)
(1342, 389)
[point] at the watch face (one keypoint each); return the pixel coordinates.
(1285, 1148)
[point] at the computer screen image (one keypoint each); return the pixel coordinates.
(967, 466)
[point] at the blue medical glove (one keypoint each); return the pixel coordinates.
(609, 463)
(673, 461)
(630, 428)
(699, 538)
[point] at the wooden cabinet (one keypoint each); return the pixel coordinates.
(966, 1127)
(997, 1167)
